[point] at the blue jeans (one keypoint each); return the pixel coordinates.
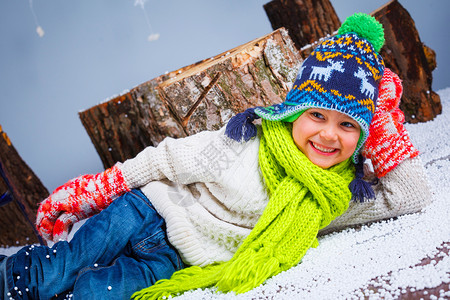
(115, 253)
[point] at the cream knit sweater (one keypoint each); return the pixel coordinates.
(210, 191)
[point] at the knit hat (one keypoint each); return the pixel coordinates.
(341, 74)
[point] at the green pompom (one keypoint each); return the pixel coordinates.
(366, 27)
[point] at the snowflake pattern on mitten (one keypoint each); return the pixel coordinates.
(78, 199)
(388, 143)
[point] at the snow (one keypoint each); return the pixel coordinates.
(380, 260)
(385, 254)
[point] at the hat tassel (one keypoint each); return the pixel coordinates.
(360, 188)
(241, 127)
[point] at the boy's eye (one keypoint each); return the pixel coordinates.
(348, 125)
(317, 115)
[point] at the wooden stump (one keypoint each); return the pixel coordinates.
(202, 96)
(307, 21)
(23, 188)
(406, 55)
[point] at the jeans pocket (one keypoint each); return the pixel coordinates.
(151, 244)
(157, 251)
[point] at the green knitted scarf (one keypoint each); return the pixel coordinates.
(303, 198)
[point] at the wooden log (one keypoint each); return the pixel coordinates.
(307, 21)
(404, 53)
(19, 184)
(201, 96)
(123, 126)
(430, 55)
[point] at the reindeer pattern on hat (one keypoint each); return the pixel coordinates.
(324, 73)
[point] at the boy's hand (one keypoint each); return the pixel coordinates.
(388, 143)
(78, 199)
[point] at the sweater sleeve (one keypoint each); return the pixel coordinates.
(403, 190)
(184, 160)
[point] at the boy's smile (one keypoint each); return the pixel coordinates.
(326, 137)
(322, 149)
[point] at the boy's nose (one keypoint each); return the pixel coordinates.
(328, 133)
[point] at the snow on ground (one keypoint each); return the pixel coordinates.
(346, 263)
(380, 260)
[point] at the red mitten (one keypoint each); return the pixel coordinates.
(388, 143)
(78, 199)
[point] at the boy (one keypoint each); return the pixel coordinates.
(236, 212)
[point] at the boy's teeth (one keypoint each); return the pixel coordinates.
(328, 150)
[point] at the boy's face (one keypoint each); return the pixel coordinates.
(326, 137)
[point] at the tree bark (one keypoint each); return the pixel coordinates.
(19, 184)
(202, 96)
(307, 21)
(404, 53)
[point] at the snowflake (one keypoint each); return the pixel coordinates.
(140, 2)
